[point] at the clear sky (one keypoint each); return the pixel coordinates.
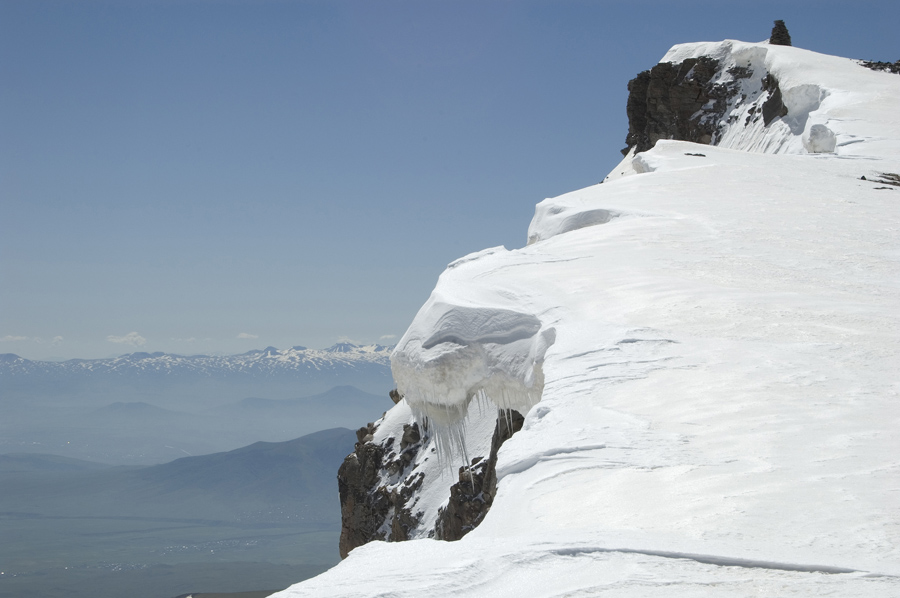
(203, 176)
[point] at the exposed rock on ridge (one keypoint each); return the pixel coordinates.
(663, 103)
(380, 481)
(472, 496)
(888, 67)
(701, 99)
(370, 508)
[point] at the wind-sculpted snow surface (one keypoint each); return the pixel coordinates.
(718, 406)
(472, 342)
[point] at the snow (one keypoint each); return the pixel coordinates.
(817, 89)
(820, 140)
(714, 341)
(464, 344)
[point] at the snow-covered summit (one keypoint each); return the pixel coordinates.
(754, 97)
(817, 92)
(706, 350)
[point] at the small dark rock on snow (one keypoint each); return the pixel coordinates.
(888, 67)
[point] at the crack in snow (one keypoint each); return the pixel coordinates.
(720, 561)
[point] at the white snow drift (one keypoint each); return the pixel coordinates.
(715, 346)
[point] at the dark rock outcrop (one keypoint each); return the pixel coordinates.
(472, 496)
(379, 482)
(362, 511)
(675, 101)
(780, 35)
(888, 67)
(774, 106)
(370, 508)
(693, 101)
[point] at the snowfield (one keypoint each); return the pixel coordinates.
(707, 346)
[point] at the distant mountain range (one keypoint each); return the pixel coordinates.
(147, 408)
(259, 362)
(270, 372)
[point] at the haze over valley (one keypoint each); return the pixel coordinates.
(198, 485)
(144, 409)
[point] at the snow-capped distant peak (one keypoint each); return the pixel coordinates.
(258, 361)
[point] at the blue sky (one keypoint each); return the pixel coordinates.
(205, 176)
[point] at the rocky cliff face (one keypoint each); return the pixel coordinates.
(373, 508)
(472, 496)
(381, 482)
(667, 102)
(695, 100)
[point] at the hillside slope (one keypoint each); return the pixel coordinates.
(267, 482)
(264, 515)
(705, 349)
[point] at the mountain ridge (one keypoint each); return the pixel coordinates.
(704, 348)
(255, 361)
(267, 475)
(170, 380)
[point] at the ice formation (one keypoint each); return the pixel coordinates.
(457, 351)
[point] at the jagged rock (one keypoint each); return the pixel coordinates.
(379, 483)
(362, 509)
(669, 101)
(888, 67)
(774, 106)
(780, 35)
(395, 396)
(366, 430)
(472, 496)
(372, 509)
(404, 519)
(688, 101)
(410, 436)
